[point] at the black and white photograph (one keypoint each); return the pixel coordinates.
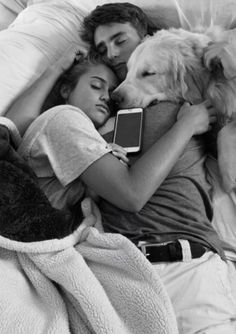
(118, 167)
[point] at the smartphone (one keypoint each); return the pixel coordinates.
(128, 129)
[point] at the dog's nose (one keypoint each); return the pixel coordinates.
(117, 98)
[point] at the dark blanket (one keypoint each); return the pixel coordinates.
(25, 212)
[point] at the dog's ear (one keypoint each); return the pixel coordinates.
(191, 73)
(193, 94)
(177, 75)
(187, 84)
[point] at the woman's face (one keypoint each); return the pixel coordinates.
(92, 93)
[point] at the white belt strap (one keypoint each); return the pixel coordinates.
(186, 250)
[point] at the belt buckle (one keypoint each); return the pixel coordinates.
(143, 244)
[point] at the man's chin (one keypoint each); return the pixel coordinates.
(121, 73)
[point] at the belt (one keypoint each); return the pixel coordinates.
(178, 250)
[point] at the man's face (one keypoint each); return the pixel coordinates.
(116, 41)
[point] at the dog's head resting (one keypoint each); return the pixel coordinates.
(165, 66)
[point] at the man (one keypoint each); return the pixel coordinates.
(194, 275)
(115, 30)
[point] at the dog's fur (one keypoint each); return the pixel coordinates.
(169, 66)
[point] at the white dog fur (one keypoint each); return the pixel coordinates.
(169, 66)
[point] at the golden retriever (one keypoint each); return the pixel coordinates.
(169, 66)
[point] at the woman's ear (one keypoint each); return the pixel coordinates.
(65, 92)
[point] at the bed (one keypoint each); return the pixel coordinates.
(27, 31)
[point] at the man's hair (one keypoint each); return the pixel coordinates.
(116, 13)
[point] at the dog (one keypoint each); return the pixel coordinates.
(169, 66)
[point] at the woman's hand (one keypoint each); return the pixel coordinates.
(199, 117)
(119, 152)
(73, 54)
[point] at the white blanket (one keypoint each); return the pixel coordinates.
(88, 282)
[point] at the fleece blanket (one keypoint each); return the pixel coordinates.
(86, 282)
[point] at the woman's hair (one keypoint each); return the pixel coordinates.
(116, 13)
(70, 78)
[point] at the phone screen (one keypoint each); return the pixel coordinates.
(128, 129)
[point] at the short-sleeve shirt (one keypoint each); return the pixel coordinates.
(59, 146)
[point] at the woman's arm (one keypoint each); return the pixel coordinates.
(130, 188)
(27, 106)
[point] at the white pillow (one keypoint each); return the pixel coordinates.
(6, 17)
(37, 37)
(15, 6)
(9, 9)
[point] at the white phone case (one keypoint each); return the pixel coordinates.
(128, 129)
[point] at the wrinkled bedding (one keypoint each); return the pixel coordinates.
(87, 282)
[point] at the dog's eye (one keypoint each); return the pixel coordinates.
(147, 73)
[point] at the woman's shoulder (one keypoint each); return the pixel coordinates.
(59, 121)
(65, 111)
(68, 116)
(62, 116)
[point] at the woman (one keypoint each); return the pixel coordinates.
(66, 151)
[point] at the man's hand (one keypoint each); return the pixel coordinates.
(199, 117)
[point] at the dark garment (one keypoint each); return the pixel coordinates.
(26, 215)
(181, 206)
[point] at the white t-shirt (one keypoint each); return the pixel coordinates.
(60, 145)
